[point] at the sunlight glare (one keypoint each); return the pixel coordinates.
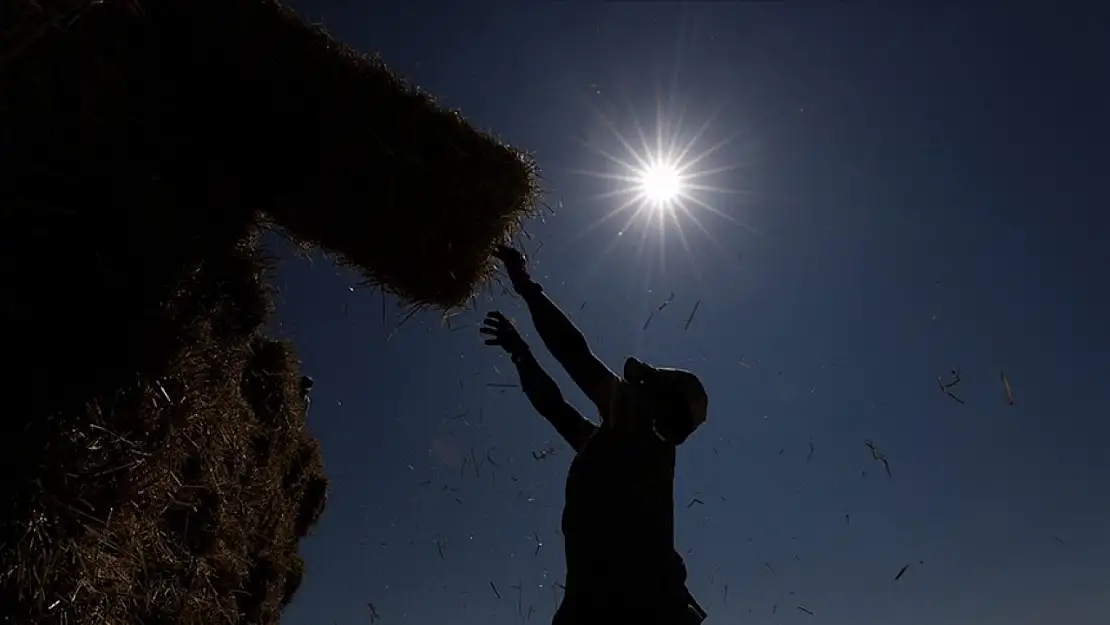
(661, 184)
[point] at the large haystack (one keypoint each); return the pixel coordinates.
(156, 462)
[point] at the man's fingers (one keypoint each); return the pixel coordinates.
(505, 252)
(512, 257)
(495, 314)
(488, 331)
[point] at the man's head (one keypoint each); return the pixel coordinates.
(673, 401)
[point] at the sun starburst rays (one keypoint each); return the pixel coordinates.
(660, 184)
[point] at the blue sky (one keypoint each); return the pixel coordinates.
(911, 191)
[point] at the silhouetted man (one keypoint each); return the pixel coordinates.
(618, 519)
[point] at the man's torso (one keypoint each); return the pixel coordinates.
(618, 524)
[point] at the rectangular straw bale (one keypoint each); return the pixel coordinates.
(245, 105)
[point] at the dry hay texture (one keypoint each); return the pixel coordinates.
(157, 466)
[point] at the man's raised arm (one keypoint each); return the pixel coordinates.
(541, 390)
(547, 399)
(565, 341)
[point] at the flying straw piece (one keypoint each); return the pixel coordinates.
(490, 460)
(806, 610)
(901, 573)
(810, 455)
(668, 301)
(878, 455)
(946, 388)
(690, 319)
(519, 598)
(648, 322)
(693, 501)
(494, 587)
(1006, 389)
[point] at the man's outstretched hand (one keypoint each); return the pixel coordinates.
(501, 332)
(515, 265)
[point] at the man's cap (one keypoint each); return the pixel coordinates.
(684, 382)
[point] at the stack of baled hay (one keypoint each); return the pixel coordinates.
(157, 466)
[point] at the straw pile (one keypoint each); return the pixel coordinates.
(180, 494)
(156, 465)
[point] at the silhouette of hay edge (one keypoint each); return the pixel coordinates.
(157, 465)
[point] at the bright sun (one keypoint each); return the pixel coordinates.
(662, 180)
(660, 184)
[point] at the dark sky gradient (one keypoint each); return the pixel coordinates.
(912, 191)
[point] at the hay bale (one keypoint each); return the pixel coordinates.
(156, 466)
(143, 506)
(243, 105)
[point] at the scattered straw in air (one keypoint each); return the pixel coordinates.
(946, 388)
(901, 572)
(693, 501)
(809, 456)
(519, 586)
(806, 610)
(495, 591)
(658, 308)
(477, 464)
(667, 301)
(490, 460)
(1006, 389)
(543, 453)
(690, 319)
(878, 455)
(373, 612)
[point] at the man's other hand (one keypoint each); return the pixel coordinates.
(501, 332)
